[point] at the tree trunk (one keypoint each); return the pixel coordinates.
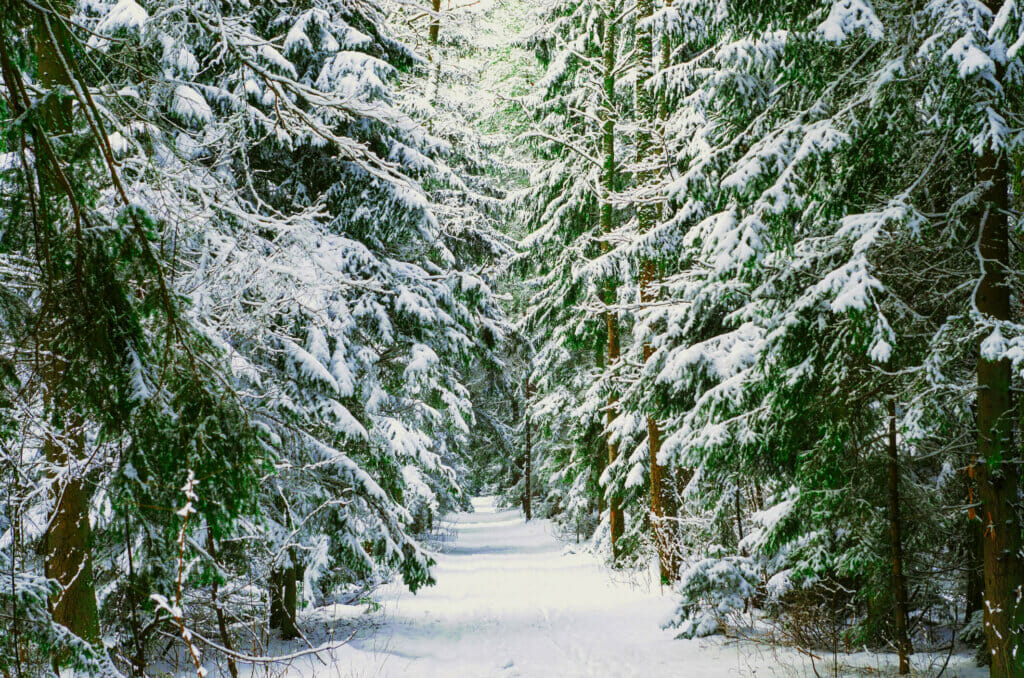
(616, 519)
(276, 601)
(68, 538)
(435, 22)
(435, 56)
(647, 215)
(998, 470)
(648, 116)
(666, 54)
(68, 554)
(647, 212)
(527, 470)
(15, 532)
(288, 628)
(662, 503)
(899, 584)
(739, 519)
(222, 624)
(138, 661)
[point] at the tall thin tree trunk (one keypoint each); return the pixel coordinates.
(435, 22)
(289, 576)
(662, 493)
(677, 478)
(737, 500)
(15, 531)
(68, 538)
(616, 519)
(138, 666)
(662, 502)
(999, 473)
(666, 54)
(435, 56)
(527, 470)
(899, 584)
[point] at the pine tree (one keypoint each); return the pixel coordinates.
(288, 309)
(787, 232)
(577, 104)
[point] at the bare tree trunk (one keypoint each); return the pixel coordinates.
(999, 473)
(435, 23)
(899, 584)
(662, 498)
(616, 519)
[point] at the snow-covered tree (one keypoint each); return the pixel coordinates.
(291, 306)
(825, 212)
(573, 310)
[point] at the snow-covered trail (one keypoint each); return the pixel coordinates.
(509, 602)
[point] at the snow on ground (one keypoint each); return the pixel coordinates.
(511, 601)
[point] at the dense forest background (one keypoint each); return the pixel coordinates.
(734, 285)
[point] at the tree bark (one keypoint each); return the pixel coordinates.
(276, 601)
(998, 460)
(435, 22)
(663, 507)
(68, 539)
(616, 519)
(899, 584)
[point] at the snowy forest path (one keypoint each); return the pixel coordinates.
(512, 601)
